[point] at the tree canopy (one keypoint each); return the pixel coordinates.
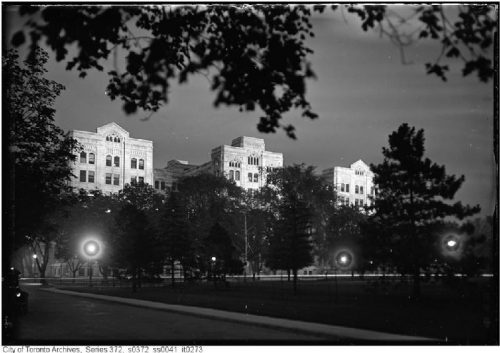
(254, 56)
(39, 152)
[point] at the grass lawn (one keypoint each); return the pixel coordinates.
(457, 313)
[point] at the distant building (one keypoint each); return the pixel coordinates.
(354, 185)
(245, 162)
(110, 159)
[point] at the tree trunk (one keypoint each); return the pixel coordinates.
(288, 274)
(295, 272)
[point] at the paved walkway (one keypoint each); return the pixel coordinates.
(290, 325)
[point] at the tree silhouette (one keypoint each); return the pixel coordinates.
(254, 56)
(411, 198)
(174, 233)
(39, 152)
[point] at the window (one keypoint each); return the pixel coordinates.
(117, 161)
(231, 164)
(361, 202)
(116, 179)
(141, 163)
(83, 157)
(91, 176)
(237, 175)
(91, 158)
(356, 202)
(141, 180)
(361, 190)
(133, 180)
(163, 185)
(256, 178)
(373, 190)
(133, 163)
(83, 176)
(342, 187)
(346, 187)
(250, 177)
(231, 175)
(107, 138)
(157, 184)
(108, 178)
(108, 161)
(356, 189)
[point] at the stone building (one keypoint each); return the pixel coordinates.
(354, 185)
(110, 159)
(245, 161)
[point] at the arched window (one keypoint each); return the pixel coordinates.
(117, 161)
(231, 175)
(91, 158)
(237, 175)
(141, 163)
(108, 161)
(83, 157)
(133, 163)
(256, 178)
(249, 160)
(107, 138)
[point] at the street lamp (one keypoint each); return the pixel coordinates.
(91, 249)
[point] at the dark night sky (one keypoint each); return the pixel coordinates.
(362, 93)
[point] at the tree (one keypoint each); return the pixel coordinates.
(135, 245)
(411, 198)
(208, 199)
(220, 249)
(254, 56)
(297, 191)
(174, 232)
(39, 152)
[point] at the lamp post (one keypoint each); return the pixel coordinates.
(33, 267)
(212, 267)
(343, 260)
(92, 250)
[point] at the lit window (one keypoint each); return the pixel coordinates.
(83, 176)
(256, 178)
(250, 177)
(117, 161)
(108, 161)
(83, 157)
(237, 175)
(133, 163)
(116, 179)
(108, 178)
(91, 176)
(91, 158)
(231, 175)
(356, 189)
(141, 163)
(361, 190)
(157, 184)
(141, 180)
